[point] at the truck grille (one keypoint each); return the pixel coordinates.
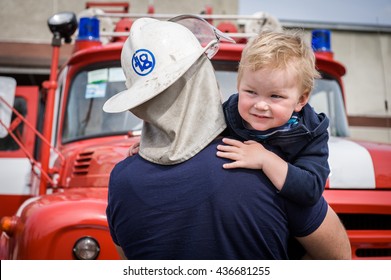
(82, 163)
(373, 253)
(369, 222)
(366, 221)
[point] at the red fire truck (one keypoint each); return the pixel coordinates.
(56, 155)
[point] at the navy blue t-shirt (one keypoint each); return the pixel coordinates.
(198, 210)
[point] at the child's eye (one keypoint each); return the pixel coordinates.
(276, 96)
(250, 92)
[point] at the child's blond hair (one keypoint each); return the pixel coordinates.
(280, 50)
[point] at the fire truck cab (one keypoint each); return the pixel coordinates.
(56, 155)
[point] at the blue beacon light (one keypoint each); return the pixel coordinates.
(321, 40)
(88, 29)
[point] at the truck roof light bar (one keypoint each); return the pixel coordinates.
(88, 29)
(321, 40)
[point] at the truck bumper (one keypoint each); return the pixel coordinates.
(366, 215)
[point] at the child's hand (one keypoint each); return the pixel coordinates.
(133, 149)
(248, 154)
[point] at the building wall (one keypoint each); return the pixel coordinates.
(366, 55)
(25, 20)
(367, 58)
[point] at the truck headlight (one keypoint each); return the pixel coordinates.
(86, 248)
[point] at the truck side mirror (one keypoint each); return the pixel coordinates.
(7, 97)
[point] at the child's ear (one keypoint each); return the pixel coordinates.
(303, 100)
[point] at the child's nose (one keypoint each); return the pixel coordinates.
(261, 105)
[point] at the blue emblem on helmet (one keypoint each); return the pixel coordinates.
(143, 62)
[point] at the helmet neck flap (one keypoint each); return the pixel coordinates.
(183, 119)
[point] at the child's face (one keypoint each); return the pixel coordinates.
(268, 97)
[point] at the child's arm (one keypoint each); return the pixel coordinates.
(301, 181)
(253, 155)
(308, 173)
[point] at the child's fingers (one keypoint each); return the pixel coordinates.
(133, 149)
(250, 142)
(231, 156)
(226, 148)
(232, 142)
(232, 165)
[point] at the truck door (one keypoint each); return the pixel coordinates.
(15, 167)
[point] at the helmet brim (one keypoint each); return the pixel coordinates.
(149, 87)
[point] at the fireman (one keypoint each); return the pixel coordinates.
(173, 200)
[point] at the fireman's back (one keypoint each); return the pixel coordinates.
(198, 210)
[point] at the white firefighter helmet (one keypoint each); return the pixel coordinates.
(155, 55)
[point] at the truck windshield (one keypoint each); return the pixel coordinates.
(84, 117)
(90, 89)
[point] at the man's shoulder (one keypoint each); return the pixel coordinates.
(206, 158)
(122, 165)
